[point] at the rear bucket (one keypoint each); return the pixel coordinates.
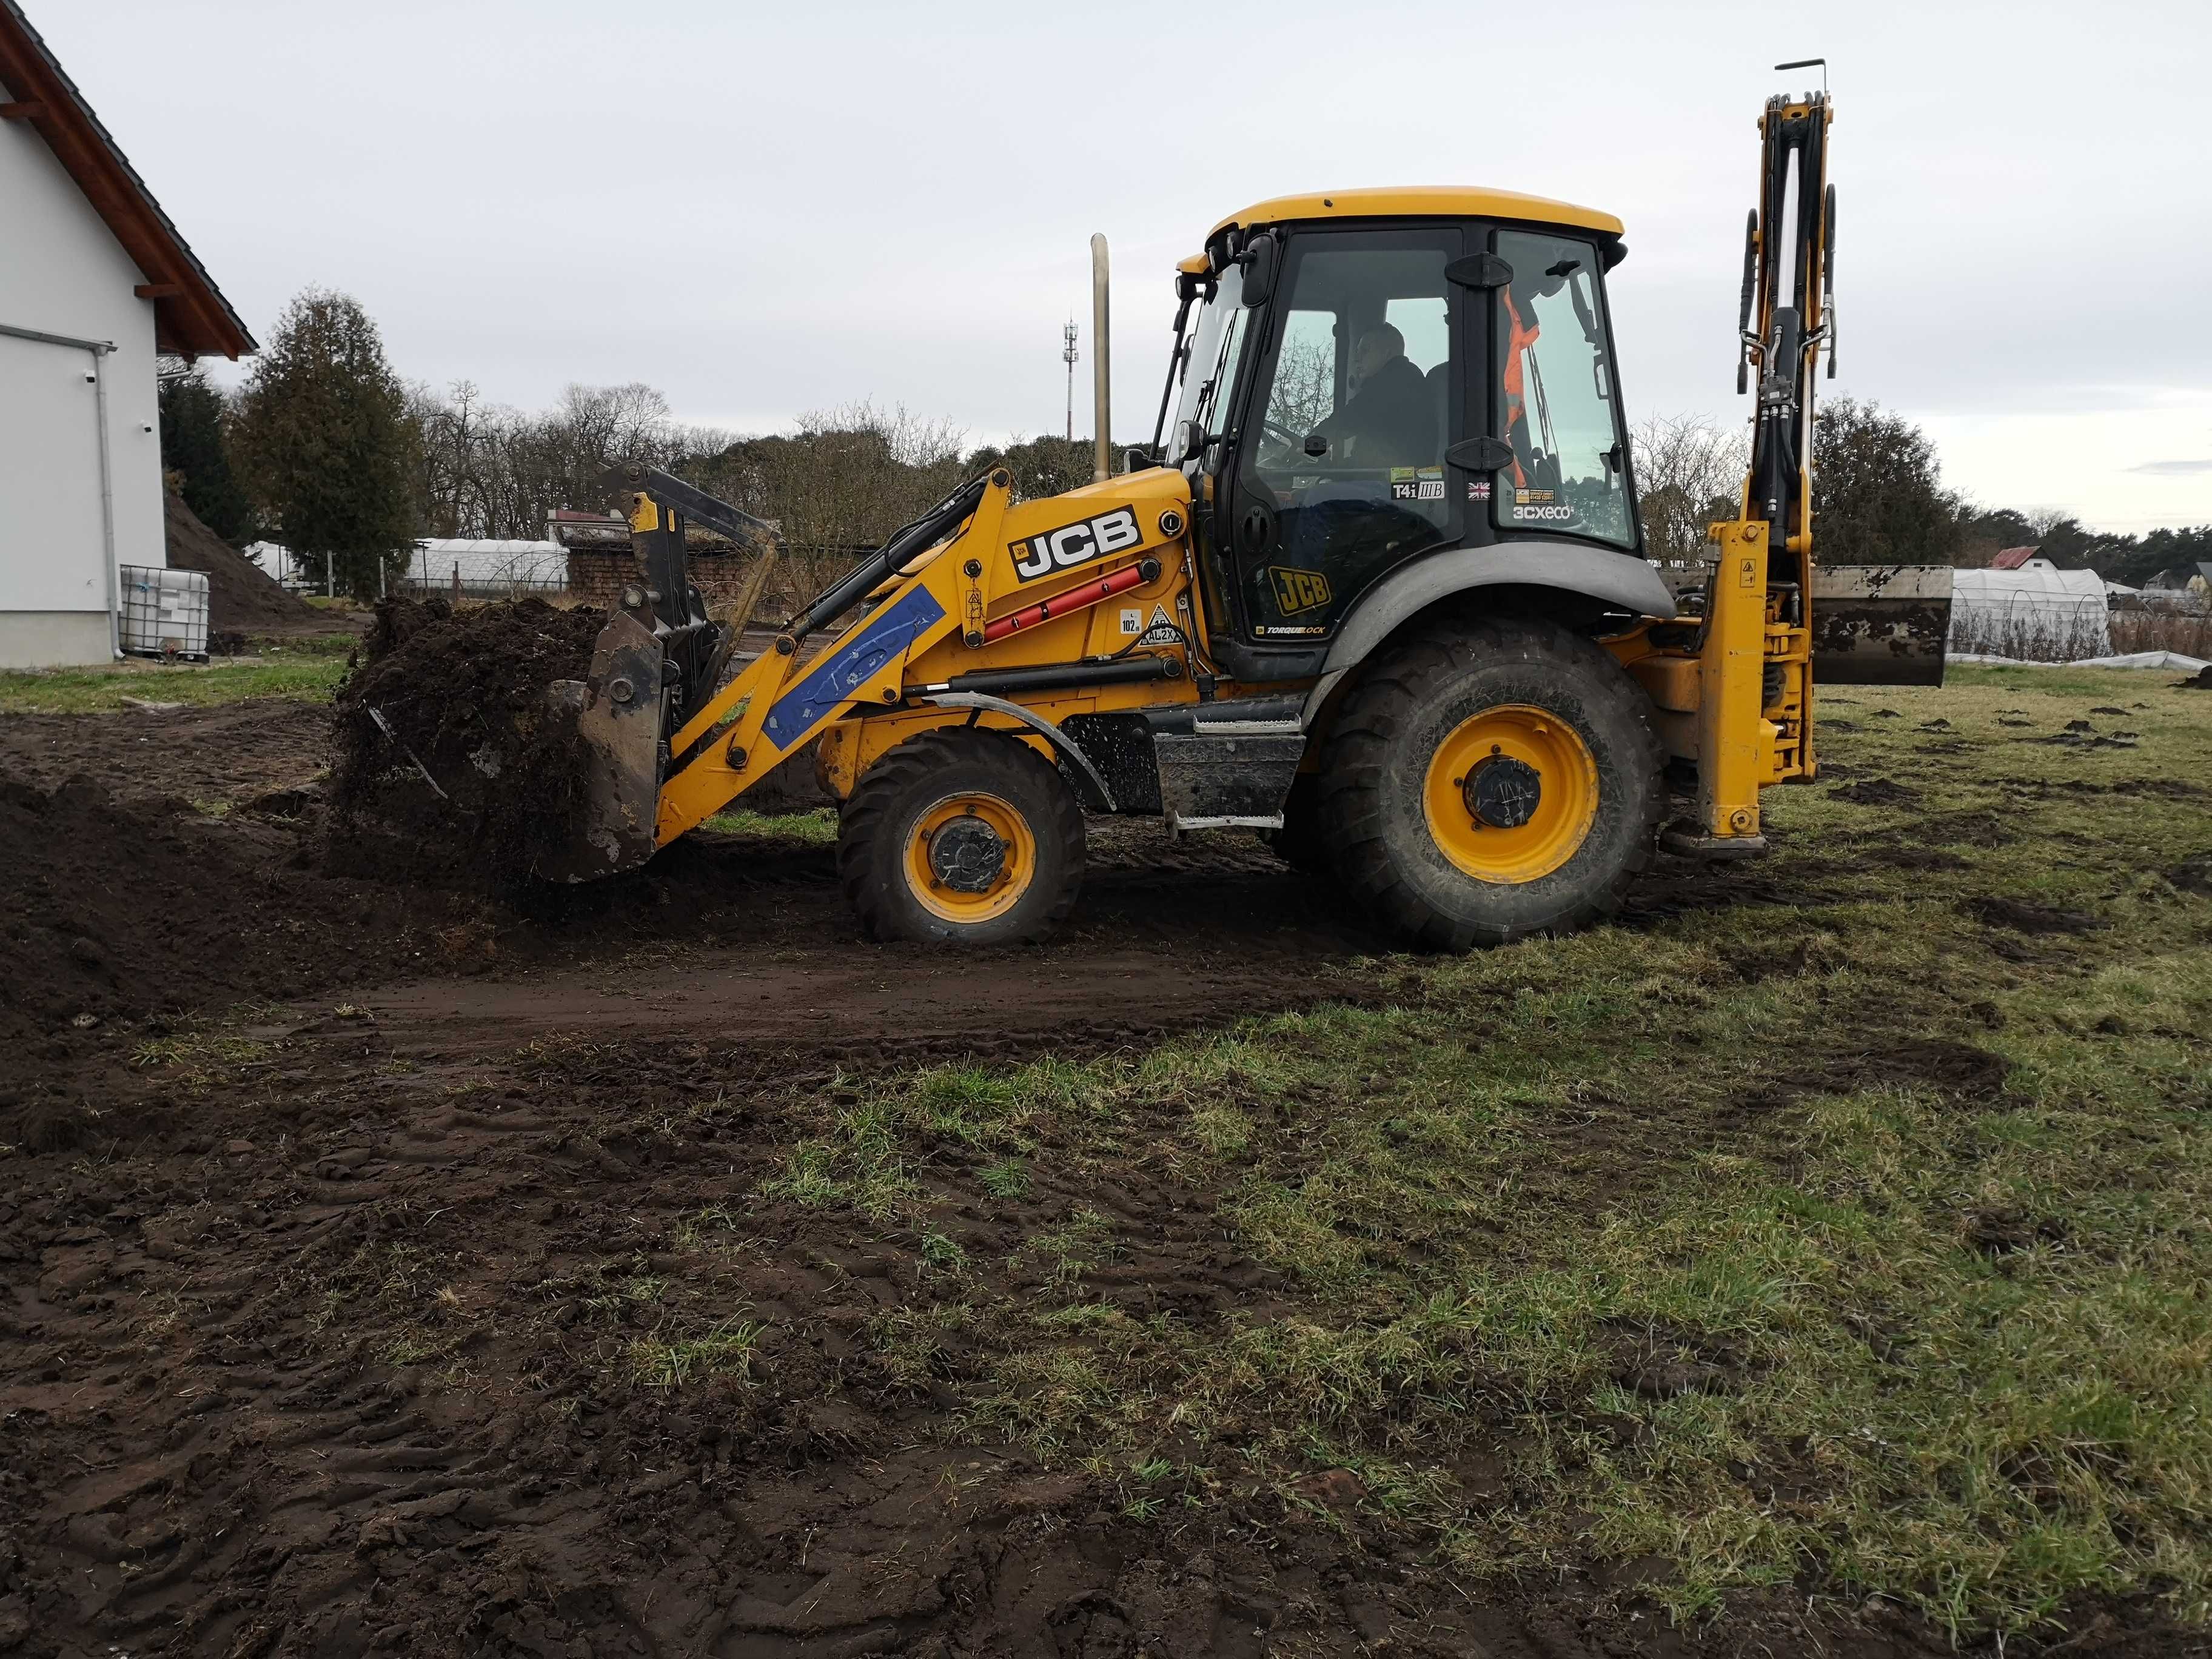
(1880, 624)
(619, 720)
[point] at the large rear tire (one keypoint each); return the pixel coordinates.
(961, 838)
(1489, 780)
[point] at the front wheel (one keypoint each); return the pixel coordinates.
(961, 838)
(1490, 780)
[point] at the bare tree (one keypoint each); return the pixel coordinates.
(1689, 472)
(846, 479)
(491, 470)
(1305, 391)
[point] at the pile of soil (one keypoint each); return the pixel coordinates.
(241, 598)
(480, 777)
(115, 911)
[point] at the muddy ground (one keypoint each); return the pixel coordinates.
(212, 1439)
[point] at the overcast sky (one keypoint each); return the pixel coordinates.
(767, 210)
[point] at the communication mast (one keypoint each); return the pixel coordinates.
(1067, 356)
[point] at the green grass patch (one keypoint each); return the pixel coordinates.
(308, 677)
(1843, 1227)
(724, 1349)
(817, 828)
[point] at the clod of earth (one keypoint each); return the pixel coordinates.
(2025, 918)
(1875, 791)
(2003, 1230)
(2193, 875)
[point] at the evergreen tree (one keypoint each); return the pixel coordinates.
(195, 446)
(329, 445)
(1878, 494)
(1046, 465)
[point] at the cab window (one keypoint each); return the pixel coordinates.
(1557, 403)
(1342, 467)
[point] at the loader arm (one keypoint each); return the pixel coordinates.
(774, 705)
(668, 748)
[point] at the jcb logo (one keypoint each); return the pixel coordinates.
(1076, 543)
(1299, 590)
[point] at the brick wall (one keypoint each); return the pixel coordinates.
(598, 578)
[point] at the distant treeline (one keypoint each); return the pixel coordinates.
(326, 449)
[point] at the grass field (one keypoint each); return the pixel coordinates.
(1831, 1229)
(1848, 1233)
(309, 669)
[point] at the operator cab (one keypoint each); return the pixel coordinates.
(1373, 375)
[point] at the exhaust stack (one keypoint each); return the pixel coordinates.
(1101, 465)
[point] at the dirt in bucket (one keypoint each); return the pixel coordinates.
(474, 774)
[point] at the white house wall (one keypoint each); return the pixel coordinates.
(63, 273)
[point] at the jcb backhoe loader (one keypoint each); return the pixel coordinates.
(1380, 593)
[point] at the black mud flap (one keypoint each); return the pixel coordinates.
(619, 718)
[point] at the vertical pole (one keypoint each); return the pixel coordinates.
(108, 503)
(1068, 355)
(1102, 463)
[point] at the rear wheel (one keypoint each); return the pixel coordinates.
(960, 836)
(1491, 781)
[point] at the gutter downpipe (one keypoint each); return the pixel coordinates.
(1101, 464)
(100, 349)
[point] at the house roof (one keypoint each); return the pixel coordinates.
(191, 316)
(2009, 558)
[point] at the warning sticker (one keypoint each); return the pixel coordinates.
(1133, 620)
(1163, 630)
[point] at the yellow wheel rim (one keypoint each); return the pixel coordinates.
(1510, 794)
(970, 857)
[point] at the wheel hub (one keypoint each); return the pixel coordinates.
(968, 855)
(1504, 793)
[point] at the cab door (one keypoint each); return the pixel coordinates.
(1358, 388)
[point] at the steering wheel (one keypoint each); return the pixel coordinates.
(1293, 439)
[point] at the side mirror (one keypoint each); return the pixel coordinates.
(1259, 259)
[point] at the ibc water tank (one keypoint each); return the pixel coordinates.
(165, 612)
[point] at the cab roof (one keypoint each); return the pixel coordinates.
(1413, 201)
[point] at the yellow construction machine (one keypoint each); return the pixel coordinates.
(1378, 589)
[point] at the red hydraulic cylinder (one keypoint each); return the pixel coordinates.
(1061, 604)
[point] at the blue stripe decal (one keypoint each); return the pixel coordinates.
(831, 683)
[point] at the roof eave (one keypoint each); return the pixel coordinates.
(194, 321)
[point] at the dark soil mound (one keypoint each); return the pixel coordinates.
(2200, 681)
(241, 599)
(480, 777)
(2023, 917)
(1876, 791)
(118, 912)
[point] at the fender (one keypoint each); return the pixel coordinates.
(1621, 579)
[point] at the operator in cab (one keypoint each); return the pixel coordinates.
(1390, 415)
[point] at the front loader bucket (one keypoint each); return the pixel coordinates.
(1880, 624)
(619, 718)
